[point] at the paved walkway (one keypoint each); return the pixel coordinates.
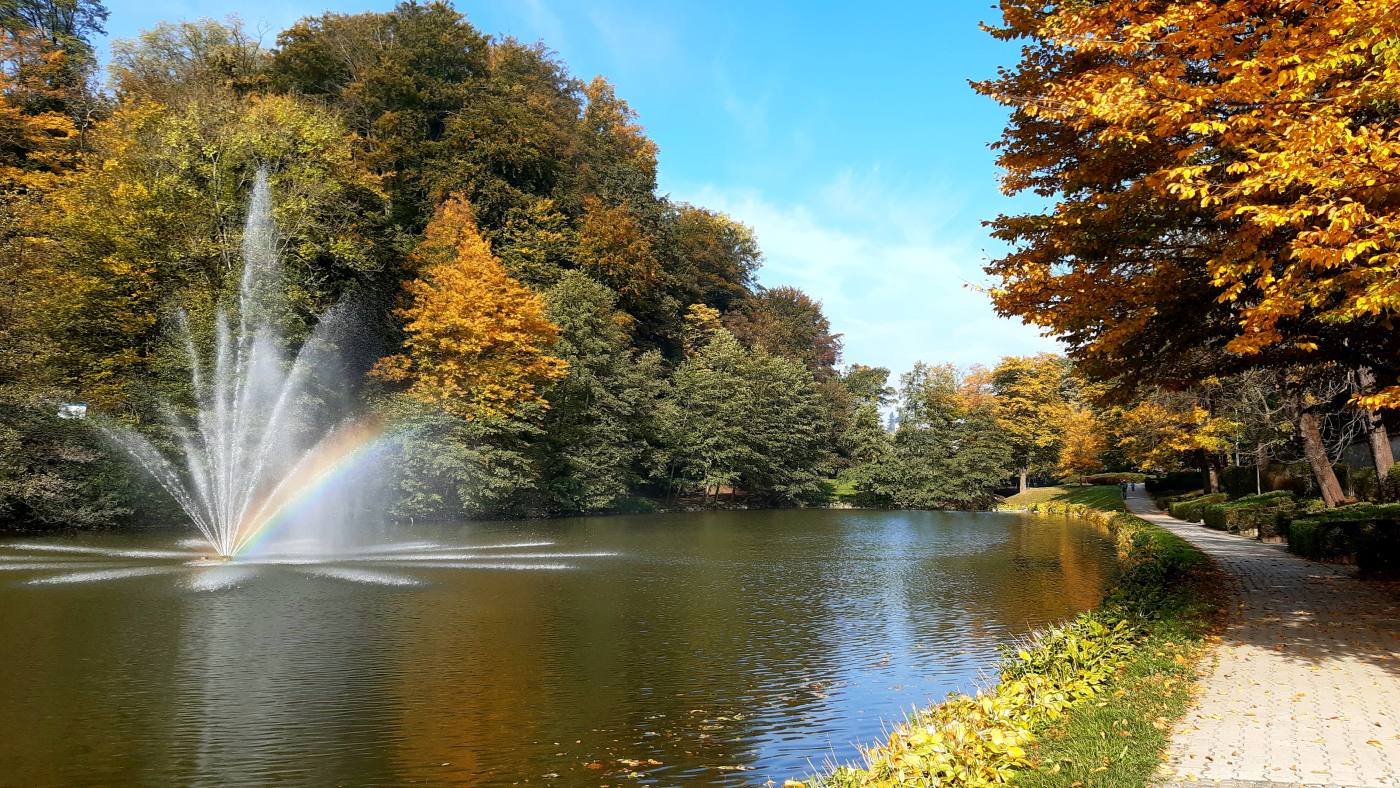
(1304, 688)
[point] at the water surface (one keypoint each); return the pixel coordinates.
(695, 649)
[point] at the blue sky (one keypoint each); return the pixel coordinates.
(847, 138)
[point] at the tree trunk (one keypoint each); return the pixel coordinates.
(1261, 461)
(1210, 478)
(1021, 484)
(1310, 430)
(1376, 433)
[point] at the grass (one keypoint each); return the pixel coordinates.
(1104, 497)
(1118, 741)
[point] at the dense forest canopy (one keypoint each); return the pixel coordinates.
(550, 335)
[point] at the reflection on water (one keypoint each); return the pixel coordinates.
(705, 649)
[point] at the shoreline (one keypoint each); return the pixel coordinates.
(1089, 702)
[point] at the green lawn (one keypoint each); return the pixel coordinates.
(1099, 496)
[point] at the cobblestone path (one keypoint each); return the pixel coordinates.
(1304, 688)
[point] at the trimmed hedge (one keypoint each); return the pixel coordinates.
(1255, 515)
(1192, 509)
(1368, 534)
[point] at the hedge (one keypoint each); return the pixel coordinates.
(1368, 534)
(1191, 508)
(1255, 515)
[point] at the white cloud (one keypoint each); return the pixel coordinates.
(892, 269)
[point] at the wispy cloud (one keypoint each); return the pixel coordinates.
(896, 270)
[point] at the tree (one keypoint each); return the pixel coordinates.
(1032, 408)
(1221, 188)
(599, 433)
(710, 258)
(149, 223)
(60, 33)
(785, 321)
(746, 418)
(174, 63)
(946, 453)
(476, 340)
(1083, 444)
(397, 78)
(448, 466)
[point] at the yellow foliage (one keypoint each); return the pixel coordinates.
(1083, 444)
(476, 338)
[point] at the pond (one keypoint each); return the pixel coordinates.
(724, 648)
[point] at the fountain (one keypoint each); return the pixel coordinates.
(273, 468)
(255, 452)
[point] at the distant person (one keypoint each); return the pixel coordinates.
(1132, 486)
(1123, 487)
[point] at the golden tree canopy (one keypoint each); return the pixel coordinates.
(476, 338)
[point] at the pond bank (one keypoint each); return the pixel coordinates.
(1087, 703)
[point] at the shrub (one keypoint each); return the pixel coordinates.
(1191, 508)
(1253, 514)
(1174, 481)
(1390, 488)
(1364, 485)
(1240, 480)
(1367, 533)
(1165, 502)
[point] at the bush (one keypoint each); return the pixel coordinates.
(1364, 485)
(1390, 488)
(1165, 502)
(1253, 514)
(1368, 534)
(1191, 508)
(1241, 480)
(1174, 481)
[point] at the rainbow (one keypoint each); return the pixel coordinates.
(328, 462)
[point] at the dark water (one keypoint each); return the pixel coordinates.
(710, 649)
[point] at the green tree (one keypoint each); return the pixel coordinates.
(599, 433)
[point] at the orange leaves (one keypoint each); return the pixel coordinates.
(1274, 129)
(477, 339)
(613, 246)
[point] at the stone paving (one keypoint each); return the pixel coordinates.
(1304, 688)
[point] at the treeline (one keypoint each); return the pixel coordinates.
(1221, 248)
(546, 332)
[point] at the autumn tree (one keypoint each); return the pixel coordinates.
(1223, 182)
(786, 321)
(476, 341)
(1032, 406)
(1082, 444)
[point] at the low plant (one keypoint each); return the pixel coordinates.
(1191, 509)
(1255, 514)
(1174, 481)
(1366, 533)
(1111, 478)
